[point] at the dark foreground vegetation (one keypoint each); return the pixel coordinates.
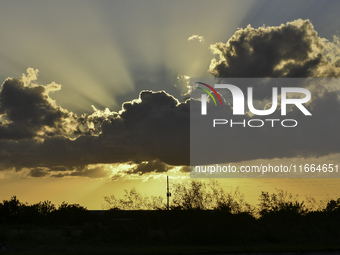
(203, 218)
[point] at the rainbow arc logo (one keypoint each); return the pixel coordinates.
(208, 92)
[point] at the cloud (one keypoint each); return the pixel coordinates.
(153, 127)
(86, 171)
(28, 112)
(89, 171)
(290, 50)
(185, 169)
(150, 166)
(38, 172)
(197, 37)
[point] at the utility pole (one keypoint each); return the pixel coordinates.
(168, 194)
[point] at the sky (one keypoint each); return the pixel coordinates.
(93, 96)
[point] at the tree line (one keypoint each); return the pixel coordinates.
(198, 195)
(200, 213)
(191, 196)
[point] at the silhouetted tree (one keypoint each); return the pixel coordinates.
(197, 195)
(228, 202)
(333, 206)
(45, 208)
(11, 210)
(191, 197)
(134, 200)
(280, 202)
(194, 195)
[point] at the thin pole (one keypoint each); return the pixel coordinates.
(168, 194)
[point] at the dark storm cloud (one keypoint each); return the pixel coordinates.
(155, 166)
(290, 50)
(27, 111)
(154, 127)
